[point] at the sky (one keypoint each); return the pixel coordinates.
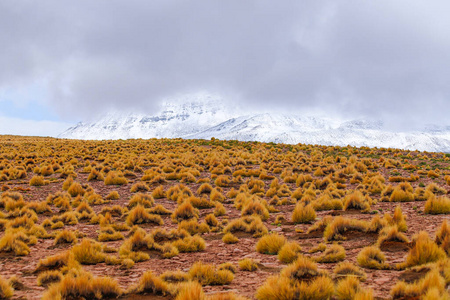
(62, 62)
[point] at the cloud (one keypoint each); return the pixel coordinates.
(17, 126)
(379, 59)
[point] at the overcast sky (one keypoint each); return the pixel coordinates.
(68, 61)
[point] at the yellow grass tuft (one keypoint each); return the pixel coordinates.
(437, 205)
(424, 251)
(150, 284)
(303, 214)
(190, 244)
(191, 290)
(185, 211)
(248, 264)
(356, 200)
(372, 258)
(345, 269)
(138, 215)
(270, 244)
(333, 254)
(229, 238)
(340, 225)
(37, 181)
(6, 290)
(115, 178)
(208, 275)
(83, 285)
(347, 288)
(65, 236)
(48, 277)
(289, 252)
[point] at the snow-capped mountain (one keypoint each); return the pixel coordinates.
(177, 118)
(205, 116)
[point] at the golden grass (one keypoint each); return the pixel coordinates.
(190, 244)
(83, 285)
(345, 269)
(6, 290)
(208, 275)
(150, 284)
(437, 205)
(185, 211)
(336, 229)
(433, 281)
(270, 244)
(48, 277)
(229, 238)
(424, 251)
(335, 253)
(65, 237)
(303, 214)
(347, 288)
(372, 258)
(115, 178)
(248, 264)
(289, 252)
(88, 252)
(138, 215)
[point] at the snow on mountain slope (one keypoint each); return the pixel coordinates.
(205, 116)
(176, 119)
(293, 130)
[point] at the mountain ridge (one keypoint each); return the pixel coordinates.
(206, 117)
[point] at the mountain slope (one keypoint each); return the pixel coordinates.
(203, 117)
(175, 120)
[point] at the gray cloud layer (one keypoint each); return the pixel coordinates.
(385, 59)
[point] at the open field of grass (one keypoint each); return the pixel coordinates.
(185, 219)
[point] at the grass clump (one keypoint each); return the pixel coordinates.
(432, 286)
(303, 214)
(66, 237)
(141, 199)
(252, 225)
(424, 251)
(37, 181)
(88, 252)
(299, 280)
(333, 254)
(437, 205)
(391, 234)
(229, 238)
(443, 237)
(114, 195)
(115, 178)
(16, 241)
(6, 290)
(193, 227)
(82, 284)
(270, 244)
(289, 252)
(248, 264)
(174, 276)
(356, 201)
(345, 269)
(48, 277)
(185, 211)
(190, 244)
(138, 215)
(208, 275)
(340, 226)
(150, 284)
(372, 258)
(347, 288)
